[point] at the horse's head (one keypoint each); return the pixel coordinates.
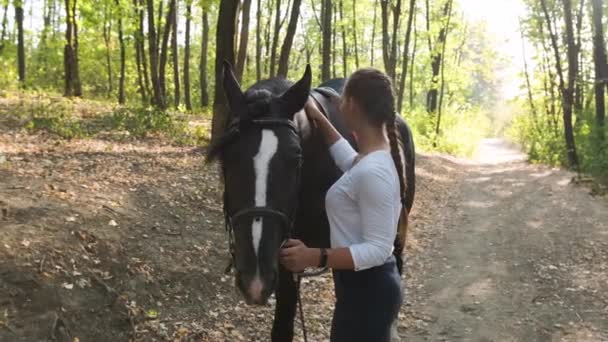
(260, 154)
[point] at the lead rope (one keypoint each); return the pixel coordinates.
(304, 334)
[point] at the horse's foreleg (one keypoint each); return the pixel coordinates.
(284, 314)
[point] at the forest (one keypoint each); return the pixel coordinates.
(156, 57)
(153, 60)
(112, 218)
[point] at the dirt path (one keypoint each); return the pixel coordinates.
(116, 239)
(523, 256)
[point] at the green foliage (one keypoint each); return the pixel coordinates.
(542, 141)
(460, 132)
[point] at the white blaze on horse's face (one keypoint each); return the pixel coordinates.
(261, 164)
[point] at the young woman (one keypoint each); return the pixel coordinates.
(364, 208)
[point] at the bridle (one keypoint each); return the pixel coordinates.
(286, 220)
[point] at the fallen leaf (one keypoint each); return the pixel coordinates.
(112, 223)
(67, 286)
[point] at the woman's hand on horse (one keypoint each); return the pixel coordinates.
(313, 112)
(295, 256)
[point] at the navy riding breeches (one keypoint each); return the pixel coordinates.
(367, 303)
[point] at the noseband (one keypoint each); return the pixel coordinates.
(286, 220)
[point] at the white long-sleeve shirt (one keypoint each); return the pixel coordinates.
(364, 205)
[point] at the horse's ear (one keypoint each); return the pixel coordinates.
(294, 98)
(232, 89)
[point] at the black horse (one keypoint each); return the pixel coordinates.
(277, 170)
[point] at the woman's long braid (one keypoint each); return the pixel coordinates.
(395, 143)
(373, 91)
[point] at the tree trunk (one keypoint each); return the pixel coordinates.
(187, 56)
(389, 40)
(258, 42)
(373, 41)
(344, 52)
(203, 63)
(527, 75)
(121, 41)
(268, 37)
(393, 52)
(70, 54)
(163, 54)
(406, 46)
(601, 72)
(4, 25)
(355, 34)
(413, 65)
(107, 30)
(288, 42)
(442, 68)
(386, 43)
(275, 38)
(333, 41)
(153, 52)
(224, 51)
(567, 90)
(140, 76)
(326, 49)
(159, 24)
(436, 56)
(244, 39)
(142, 73)
(175, 55)
(20, 42)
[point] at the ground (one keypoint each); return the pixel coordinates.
(117, 239)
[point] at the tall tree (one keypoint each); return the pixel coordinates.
(566, 86)
(389, 40)
(123, 52)
(244, 39)
(406, 46)
(107, 37)
(442, 68)
(527, 74)
(373, 40)
(4, 26)
(288, 41)
(224, 39)
(140, 54)
(162, 62)
(258, 42)
(175, 55)
(73, 86)
(153, 52)
(187, 56)
(20, 42)
(356, 47)
(344, 51)
(333, 41)
(601, 69)
(326, 47)
(275, 38)
(203, 63)
(413, 64)
(436, 57)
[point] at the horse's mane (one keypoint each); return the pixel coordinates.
(257, 105)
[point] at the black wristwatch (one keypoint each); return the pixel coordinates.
(323, 260)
